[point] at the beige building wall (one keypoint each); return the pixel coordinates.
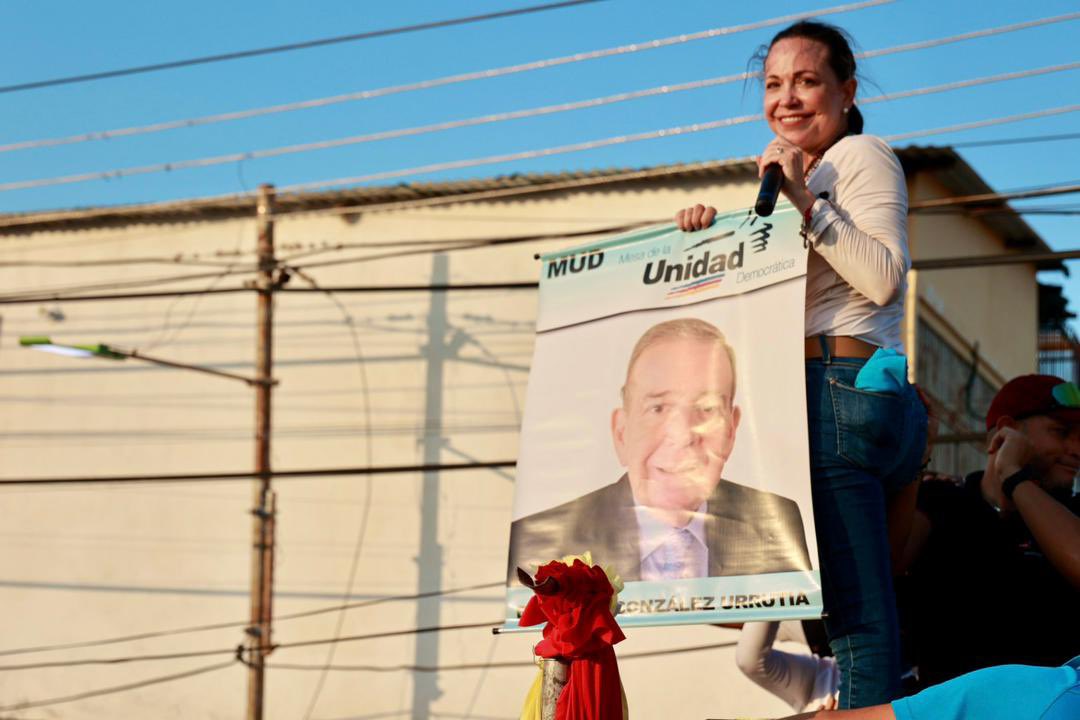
(996, 306)
(366, 379)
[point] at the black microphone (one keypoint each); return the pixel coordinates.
(770, 190)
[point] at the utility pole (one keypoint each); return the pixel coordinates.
(265, 505)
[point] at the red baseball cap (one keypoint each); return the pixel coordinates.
(1028, 395)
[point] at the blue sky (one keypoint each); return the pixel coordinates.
(50, 38)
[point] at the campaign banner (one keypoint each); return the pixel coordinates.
(665, 423)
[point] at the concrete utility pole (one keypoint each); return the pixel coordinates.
(265, 504)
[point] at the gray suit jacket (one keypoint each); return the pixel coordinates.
(748, 532)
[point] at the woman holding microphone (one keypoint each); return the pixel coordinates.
(865, 446)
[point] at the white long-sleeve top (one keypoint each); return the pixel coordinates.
(805, 682)
(856, 272)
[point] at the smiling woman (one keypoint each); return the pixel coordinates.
(865, 447)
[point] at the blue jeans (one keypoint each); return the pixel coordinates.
(863, 447)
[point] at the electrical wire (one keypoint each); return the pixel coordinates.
(974, 34)
(244, 623)
(514, 239)
(635, 175)
(157, 657)
(532, 189)
(290, 47)
(365, 514)
(63, 294)
(28, 704)
(992, 197)
(59, 292)
(1061, 110)
(649, 135)
(470, 244)
(481, 195)
(123, 660)
(467, 244)
(462, 77)
(211, 161)
(1016, 140)
(274, 475)
(164, 294)
(109, 262)
(490, 665)
(227, 158)
(164, 335)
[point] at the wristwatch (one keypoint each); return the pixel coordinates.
(1008, 486)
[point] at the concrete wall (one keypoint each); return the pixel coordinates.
(996, 307)
(378, 379)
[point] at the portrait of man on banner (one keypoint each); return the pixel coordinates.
(673, 514)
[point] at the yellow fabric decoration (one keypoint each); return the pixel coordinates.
(533, 709)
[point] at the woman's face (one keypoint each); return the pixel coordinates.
(804, 100)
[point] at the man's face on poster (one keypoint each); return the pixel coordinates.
(677, 425)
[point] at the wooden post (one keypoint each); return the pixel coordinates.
(262, 560)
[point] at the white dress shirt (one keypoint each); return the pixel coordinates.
(657, 541)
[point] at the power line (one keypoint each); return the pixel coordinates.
(369, 487)
(638, 137)
(108, 262)
(123, 660)
(227, 158)
(236, 55)
(28, 704)
(58, 293)
(487, 665)
(244, 623)
(532, 189)
(984, 260)
(469, 244)
(427, 248)
(276, 474)
(925, 44)
(481, 195)
(463, 77)
(156, 657)
(499, 193)
(466, 240)
(648, 173)
(1017, 140)
(121, 296)
(985, 198)
(211, 161)
(387, 634)
(1061, 110)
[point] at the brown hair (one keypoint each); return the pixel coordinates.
(841, 59)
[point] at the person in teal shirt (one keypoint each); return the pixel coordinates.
(1003, 692)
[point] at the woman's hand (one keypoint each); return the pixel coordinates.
(698, 217)
(793, 162)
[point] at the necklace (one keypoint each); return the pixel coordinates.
(817, 160)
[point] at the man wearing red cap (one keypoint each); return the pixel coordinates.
(998, 579)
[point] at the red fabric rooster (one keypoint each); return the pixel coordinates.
(575, 600)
